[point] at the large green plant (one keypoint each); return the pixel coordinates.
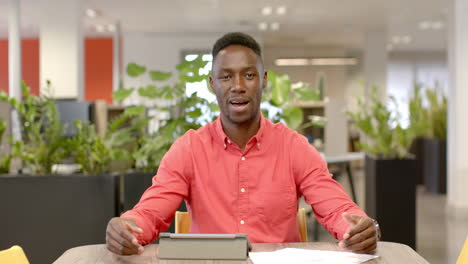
(283, 94)
(43, 143)
(386, 138)
(186, 113)
(428, 113)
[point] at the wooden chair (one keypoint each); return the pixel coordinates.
(182, 223)
(463, 257)
(15, 254)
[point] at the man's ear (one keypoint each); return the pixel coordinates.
(212, 85)
(265, 79)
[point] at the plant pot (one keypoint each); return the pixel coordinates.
(391, 198)
(435, 165)
(418, 151)
(47, 215)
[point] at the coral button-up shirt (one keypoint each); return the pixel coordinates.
(254, 191)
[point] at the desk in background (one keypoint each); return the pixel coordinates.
(390, 253)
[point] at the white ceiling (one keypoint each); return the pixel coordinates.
(307, 22)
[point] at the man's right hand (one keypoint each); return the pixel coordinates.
(120, 238)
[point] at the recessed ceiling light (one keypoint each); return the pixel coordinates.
(281, 10)
(396, 39)
(91, 13)
(266, 11)
(262, 26)
(424, 25)
(437, 25)
(111, 27)
(315, 61)
(275, 26)
(99, 28)
(406, 39)
(389, 47)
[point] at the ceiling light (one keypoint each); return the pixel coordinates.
(266, 11)
(437, 25)
(389, 47)
(315, 61)
(99, 28)
(91, 13)
(424, 25)
(111, 28)
(281, 10)
(262, 26)
(396, 39)
(406, 39)
(274, 26)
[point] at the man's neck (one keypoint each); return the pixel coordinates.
(241, 133)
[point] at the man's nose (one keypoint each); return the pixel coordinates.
(238, 85)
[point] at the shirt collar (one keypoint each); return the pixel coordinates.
(224, 139)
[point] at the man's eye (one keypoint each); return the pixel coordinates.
(249, 75)
(225, 77)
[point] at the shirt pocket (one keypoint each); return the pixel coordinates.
(277, 205)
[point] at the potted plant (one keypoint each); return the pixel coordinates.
(4, 157)
(389, 169)
(434, 162)
(38, 200)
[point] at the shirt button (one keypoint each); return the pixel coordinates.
(229, 141)
(243, 158)
(242, 190)
(242, 222)
(258, 145)
(224, 145)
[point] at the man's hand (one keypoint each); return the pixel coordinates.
(120, 238)
(361, 236)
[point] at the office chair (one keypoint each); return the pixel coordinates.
(463, 258)
(182, 223)
(15, 255)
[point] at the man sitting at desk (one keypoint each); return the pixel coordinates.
(242, 173)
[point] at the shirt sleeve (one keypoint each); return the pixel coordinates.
(326, 196)
(156, 208)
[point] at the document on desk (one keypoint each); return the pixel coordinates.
(308, 256)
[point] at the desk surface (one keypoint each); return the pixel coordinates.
(390, 253)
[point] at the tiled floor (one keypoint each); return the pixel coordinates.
(440, 231)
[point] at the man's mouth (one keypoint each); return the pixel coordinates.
(239, 105)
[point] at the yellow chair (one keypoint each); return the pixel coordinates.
(463, 258)
(182, 223)
(15, 255)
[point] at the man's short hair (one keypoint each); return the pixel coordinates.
(236, 38)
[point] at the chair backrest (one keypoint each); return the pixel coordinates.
(463, 258)
(15, 254)
(182, 223)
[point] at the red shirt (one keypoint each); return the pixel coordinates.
(254, 192)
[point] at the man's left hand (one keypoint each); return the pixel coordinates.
(361, 236)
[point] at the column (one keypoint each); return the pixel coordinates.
(116, 70)
(14, 62)
(375, 60)
(457, 136)
(14, 49)
(61, 48)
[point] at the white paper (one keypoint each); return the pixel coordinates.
(308, 256)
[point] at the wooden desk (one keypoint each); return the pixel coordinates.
(390, 253)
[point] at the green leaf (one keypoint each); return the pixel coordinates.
(135, 70)
(293, 117)
(160, 76)
(195, 113)
(149, 91)
(307, 93)
(281, 88)
(122, 94)
(135, 110)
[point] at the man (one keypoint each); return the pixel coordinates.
(242, 173)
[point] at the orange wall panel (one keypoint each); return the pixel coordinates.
(98, 69)
(29, 60)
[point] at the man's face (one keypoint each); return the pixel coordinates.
(238, 79)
